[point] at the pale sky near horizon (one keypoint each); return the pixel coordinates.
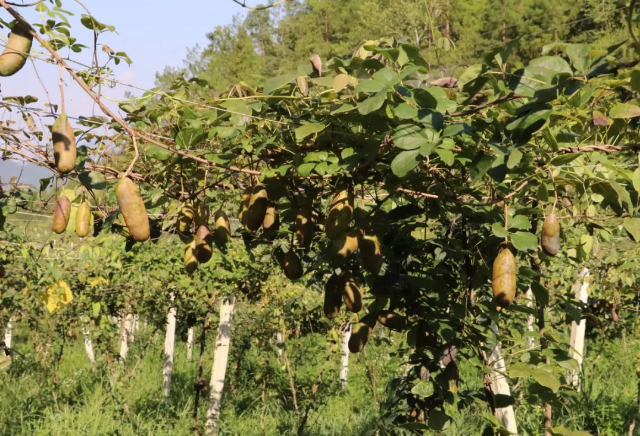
(154, 33)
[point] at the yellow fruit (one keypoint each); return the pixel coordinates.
(190, 260)
(201, 214)
(361, 333)
(344, 246)
(351, 293)
(332, 297)
(132, 209)
(186, 218)
(244, 204)
(203, 240)
(64, 145)
(339, 216)
(16, 52)
(83, 219)
(504, 278)
(257, 208)
(305, 226)
(550, 240)
(370, 252)
(392, 320)
(271, 218)
(61, 214)
(222, 231)
(292, 266)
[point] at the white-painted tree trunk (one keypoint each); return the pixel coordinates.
(220, 358)
(190, 344)
(124, 338)
(169, 344)
(500, 382)
(279, 343)
(578, 331)
(530, 319)
(8, 333)
(88, 346)
(344, 366)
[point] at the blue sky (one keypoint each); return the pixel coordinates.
(154, 33)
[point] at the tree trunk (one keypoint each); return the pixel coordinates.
(88, 346)
(125, 334)
(530, 318)
(220, 357)
(344, 367)
(190, 344)
(169, 343)
(500, 382)
(8, 333)
(578, 331)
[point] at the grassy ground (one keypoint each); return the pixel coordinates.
(257, 398)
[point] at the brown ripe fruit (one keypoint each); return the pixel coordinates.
(64, 145)
(339, 215)
(83, 219)
(344, 246)
(244, 204)
(222, 230)
(186, 218)
(292, 265)
(201, 214)
(16, 51)
(203, 240)
(257, 208)
(504, 278)
(132, 209)
(550, 240)
(332, 297)
(351, 293)
(370, 252)
(305, 226)
(361, 333)
(392, 320)
(190, 260)
(61, 214)
(271, 218)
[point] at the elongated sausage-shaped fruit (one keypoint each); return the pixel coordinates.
(16, 52)
(344, 246)
(190, 260)
(257, 209)
(271, 218)
(332, 297)
(204, 248)
(361, 333)
(186, 218)
(370, 251)
(132, 209)
(550, 240)
(83, 219)
(64, 145)
(292, 265)
(339, 216)
(351, 293)
(305, 226)
(222, 232)
(504, 278)
(392, 320)
(244, 204)
(61, 214)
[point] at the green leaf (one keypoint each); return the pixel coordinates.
(635, 80)
(340, 82)
(543, 193)
(405, 111)
(624, 111)
(410, 137)
(405, 162)
(155, 152)
(547, 379)
(387, 77)
(372, 103)
(520, 222)
(457, 129)
(564, 159)
(524, 241)
(624, 198)
(541, 294)
(586, 244)
(632, 225)
(305, 169)
(277, 83)
(499, 231)
(370, 86)
(636, 180)
(308, 129)
(580, 56)
(520, 369)
(92, 180)
(514, 159)
(438, 420)
(447, 156)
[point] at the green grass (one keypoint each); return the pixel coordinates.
(257, 397)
